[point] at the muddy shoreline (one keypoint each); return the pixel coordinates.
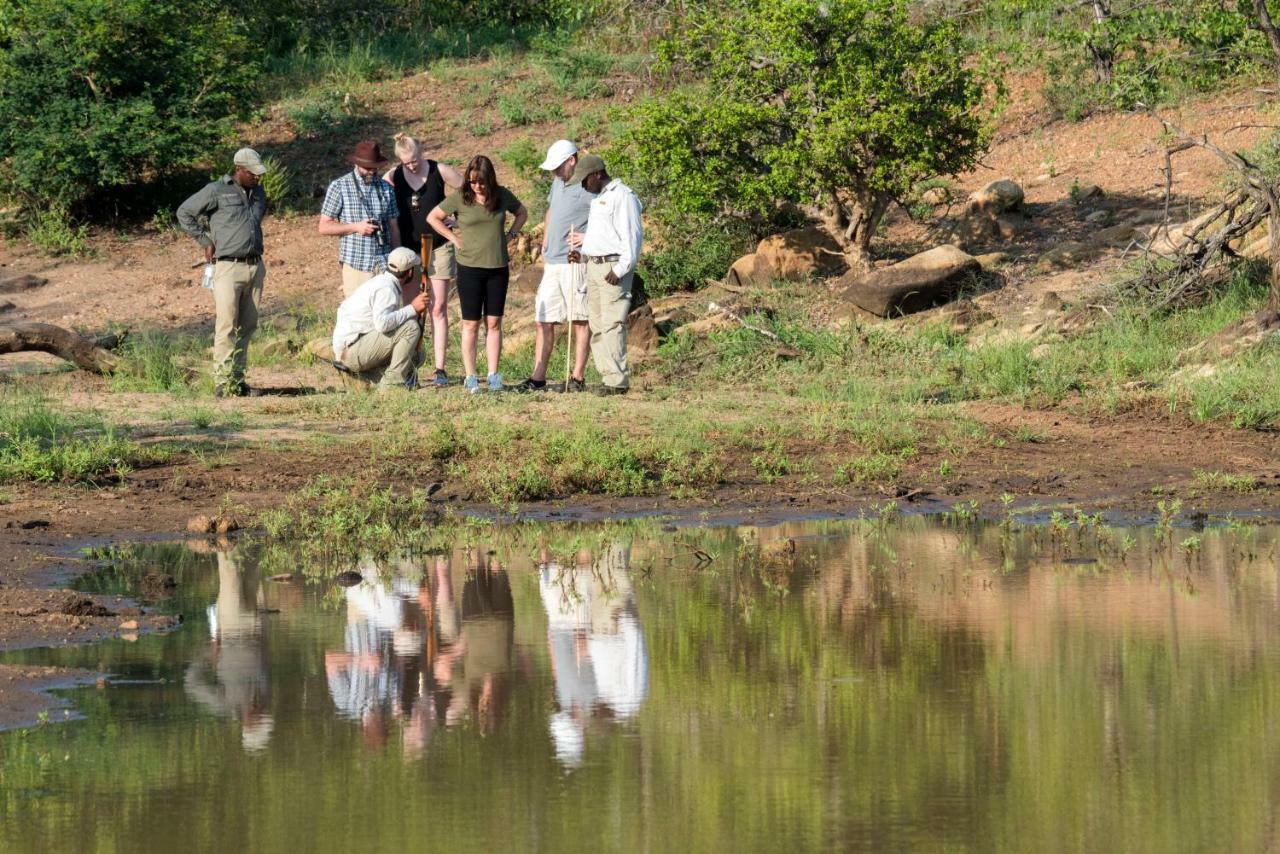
(1121, 470)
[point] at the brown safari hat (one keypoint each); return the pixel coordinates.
(367, 154)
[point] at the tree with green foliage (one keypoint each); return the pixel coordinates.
(841, 104)
(99, 94)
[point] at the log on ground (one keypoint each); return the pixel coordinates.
(82, 352)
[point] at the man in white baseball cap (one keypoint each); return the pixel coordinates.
(374, 336)
(562, 294)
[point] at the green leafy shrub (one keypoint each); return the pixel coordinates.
(279, 184)
(53, 232)
(99, 94)
(685, 265)
(887, 100)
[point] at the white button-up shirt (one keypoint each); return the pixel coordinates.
(614, 228)
(374, 306)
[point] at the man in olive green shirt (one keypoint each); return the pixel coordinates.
(232, 209)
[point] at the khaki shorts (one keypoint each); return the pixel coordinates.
(561, 281)
(443, 264)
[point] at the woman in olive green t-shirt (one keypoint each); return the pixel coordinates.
(480, 242)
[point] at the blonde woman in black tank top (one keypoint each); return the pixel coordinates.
(421, 184)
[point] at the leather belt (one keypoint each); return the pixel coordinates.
(602, 259)
(243, 259)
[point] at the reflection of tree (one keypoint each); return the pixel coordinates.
(597, 648)
(232, 678)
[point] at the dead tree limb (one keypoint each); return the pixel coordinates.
(82, 352)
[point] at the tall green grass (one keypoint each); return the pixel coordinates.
(39, 443)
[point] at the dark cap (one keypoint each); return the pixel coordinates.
(587, 164)
(367, 154)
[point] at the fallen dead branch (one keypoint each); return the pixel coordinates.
(84, 353)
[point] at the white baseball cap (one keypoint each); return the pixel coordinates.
(402, 260)
(249, 159)
(560, 151)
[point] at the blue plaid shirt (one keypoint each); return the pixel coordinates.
(349, 199)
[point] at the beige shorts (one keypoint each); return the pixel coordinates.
(443, 264)
(558, 282)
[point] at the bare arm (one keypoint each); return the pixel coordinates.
(331, 227)
(395, 234)
(435, 219)
(449, 175)
(522, 214)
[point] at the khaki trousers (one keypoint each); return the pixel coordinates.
(353, 278)
(607, 309)
(389, 360)
(237, 290)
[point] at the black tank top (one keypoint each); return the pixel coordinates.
(413, 221)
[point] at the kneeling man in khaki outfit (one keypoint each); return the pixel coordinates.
(376, 337)
(610, 247)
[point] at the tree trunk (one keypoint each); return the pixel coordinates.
(1269, 28)
(82, 352)
(1099, 43)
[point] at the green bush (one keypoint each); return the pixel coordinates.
(52, 231)
(40, 444)
(685, 265)
(100, 94)
(887, 100)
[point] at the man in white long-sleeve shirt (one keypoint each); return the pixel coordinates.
(610, 247)
(375, 336)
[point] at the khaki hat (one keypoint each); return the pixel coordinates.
(402, 260)
(249, 159)
(587, 164)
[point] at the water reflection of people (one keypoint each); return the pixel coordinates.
(415, 653)
(598, 652)
(232, 679)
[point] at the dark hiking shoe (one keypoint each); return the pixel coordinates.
(441, 379)
(531, 385)
(572, 385)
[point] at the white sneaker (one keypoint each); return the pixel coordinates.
(471, 384)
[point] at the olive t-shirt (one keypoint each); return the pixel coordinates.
(484, 242)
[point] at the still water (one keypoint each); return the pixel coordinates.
(858, 686)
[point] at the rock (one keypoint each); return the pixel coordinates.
(1010, 225)
(82, 606)
(1171, 241)
(1050, 301)
(129, 626)
(18, 284)
(6, 307)
(279, 348)
(350, 578)
(1098, 217)
(225, 524)
(32, 524)
(992, 260)
(1067, 254)
(527, 280)
(1144, 217)
(285, 324)
(964, 314)
(745, 271)
(997, 197)
(936, 196)
(158, 585)
(701, 328)
(1257, 249)
(642, 332)
(1083, 192)
(200, 524)
(912, 285)
(1116, 235)
(321, 347)
(798, 254)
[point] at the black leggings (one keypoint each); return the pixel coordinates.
(482, 291)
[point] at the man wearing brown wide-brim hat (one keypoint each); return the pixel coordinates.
(361, 211)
